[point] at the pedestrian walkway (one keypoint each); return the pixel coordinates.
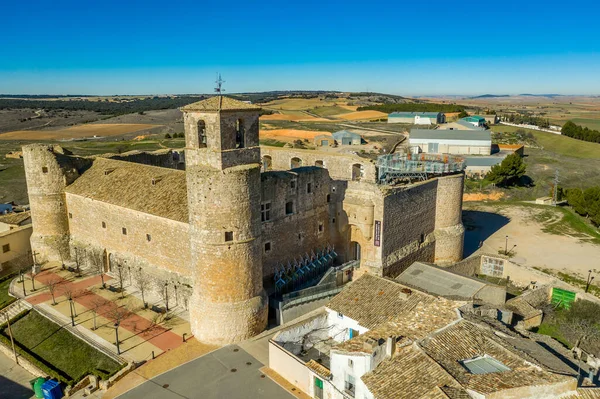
(143, 328)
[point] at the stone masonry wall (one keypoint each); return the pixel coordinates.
(339, 165)
(307, 229)
(167, 246)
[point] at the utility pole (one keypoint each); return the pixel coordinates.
(590, 278)
(555, 193)
(12, 341)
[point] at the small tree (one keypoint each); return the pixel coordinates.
(52, 284)
(119, 277)
(167, 136)
(96, 259)
(508, 172)
(162, 287)
(96, 304)
(142, 282)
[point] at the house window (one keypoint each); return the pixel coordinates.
(265, 211)
(103, 225)
(124, 230)
(267, 247)
(293, 184)
(70, 215)
(5, 248)
(319, 164)
(148, 237)
(44, 169)
(295, 163)
(309, 188)
(350, 363)
(349, 384)
(229, 236)
(289, 208)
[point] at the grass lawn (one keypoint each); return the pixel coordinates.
(553, 331)
(59, 349)
(557, 143)
(591, 123)
(5, 299)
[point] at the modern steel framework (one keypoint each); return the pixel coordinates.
(401, 167)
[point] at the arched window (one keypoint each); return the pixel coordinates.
(201, 134)
(319, 164)
(295, 163)
(239, 134)
(267, 163)
(357, 172)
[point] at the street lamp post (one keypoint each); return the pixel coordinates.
(506, 245)
(590, 278)
(23, 282)
(71, 309)
(117, 337)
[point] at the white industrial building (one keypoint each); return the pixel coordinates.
(417, 118)
(461, 142)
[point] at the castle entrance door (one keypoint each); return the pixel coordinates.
(355, 250)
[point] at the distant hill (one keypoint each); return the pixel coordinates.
(492, 96)
(540, 95)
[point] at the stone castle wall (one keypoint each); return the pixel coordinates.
(48, 172)
(158, 242)
(340, 166)
(449, 228)
(289, 236)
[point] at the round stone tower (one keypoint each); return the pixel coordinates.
(223, 183)
(48, 171)
(449, 230)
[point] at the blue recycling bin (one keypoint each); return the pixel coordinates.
(51, 390)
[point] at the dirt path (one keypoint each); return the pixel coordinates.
(534, 247)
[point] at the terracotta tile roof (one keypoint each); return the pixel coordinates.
(588, 393)
(220, 103)
(373, 301)
(318, 368)
(411, 374)
(455, 393)
(15, 218)
(465, 340)
(129, 185)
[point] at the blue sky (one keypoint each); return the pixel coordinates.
(411, 48)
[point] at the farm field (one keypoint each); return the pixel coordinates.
(361, 115)
(289, 135)
(75, 132)
(292, 116)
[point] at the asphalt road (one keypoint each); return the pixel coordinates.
(229, 372)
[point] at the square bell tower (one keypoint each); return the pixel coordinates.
(221, 132)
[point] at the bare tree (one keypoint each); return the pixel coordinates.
(118, 314)
(96, 259)
(78, 256)
(162, 288)
(119, 277)
(52, 284)
(142, 282)
(96, 304)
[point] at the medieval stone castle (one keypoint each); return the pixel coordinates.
(224, 225)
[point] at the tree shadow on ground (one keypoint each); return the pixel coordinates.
(479, 226)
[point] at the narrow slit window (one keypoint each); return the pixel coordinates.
(124, 231)
(44, 169)
(148, 237)
(267, 247)
(289, 208)
(103, 225)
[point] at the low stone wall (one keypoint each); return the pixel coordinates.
(104, 385)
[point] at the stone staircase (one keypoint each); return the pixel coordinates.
(14, 309)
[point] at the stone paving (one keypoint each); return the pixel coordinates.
(142, 332)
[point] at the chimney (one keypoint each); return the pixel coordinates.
(390, 347)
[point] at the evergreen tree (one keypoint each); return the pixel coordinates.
(508, 172)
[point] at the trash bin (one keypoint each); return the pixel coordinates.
(51, 390)
(36, 386)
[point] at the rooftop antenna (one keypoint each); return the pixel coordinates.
(219, 89)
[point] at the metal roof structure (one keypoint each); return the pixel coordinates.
(395, 167)
(345, 134)
(437, 134)
(474, 118)
(484, 365)
(438, 281)
(413, 114)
